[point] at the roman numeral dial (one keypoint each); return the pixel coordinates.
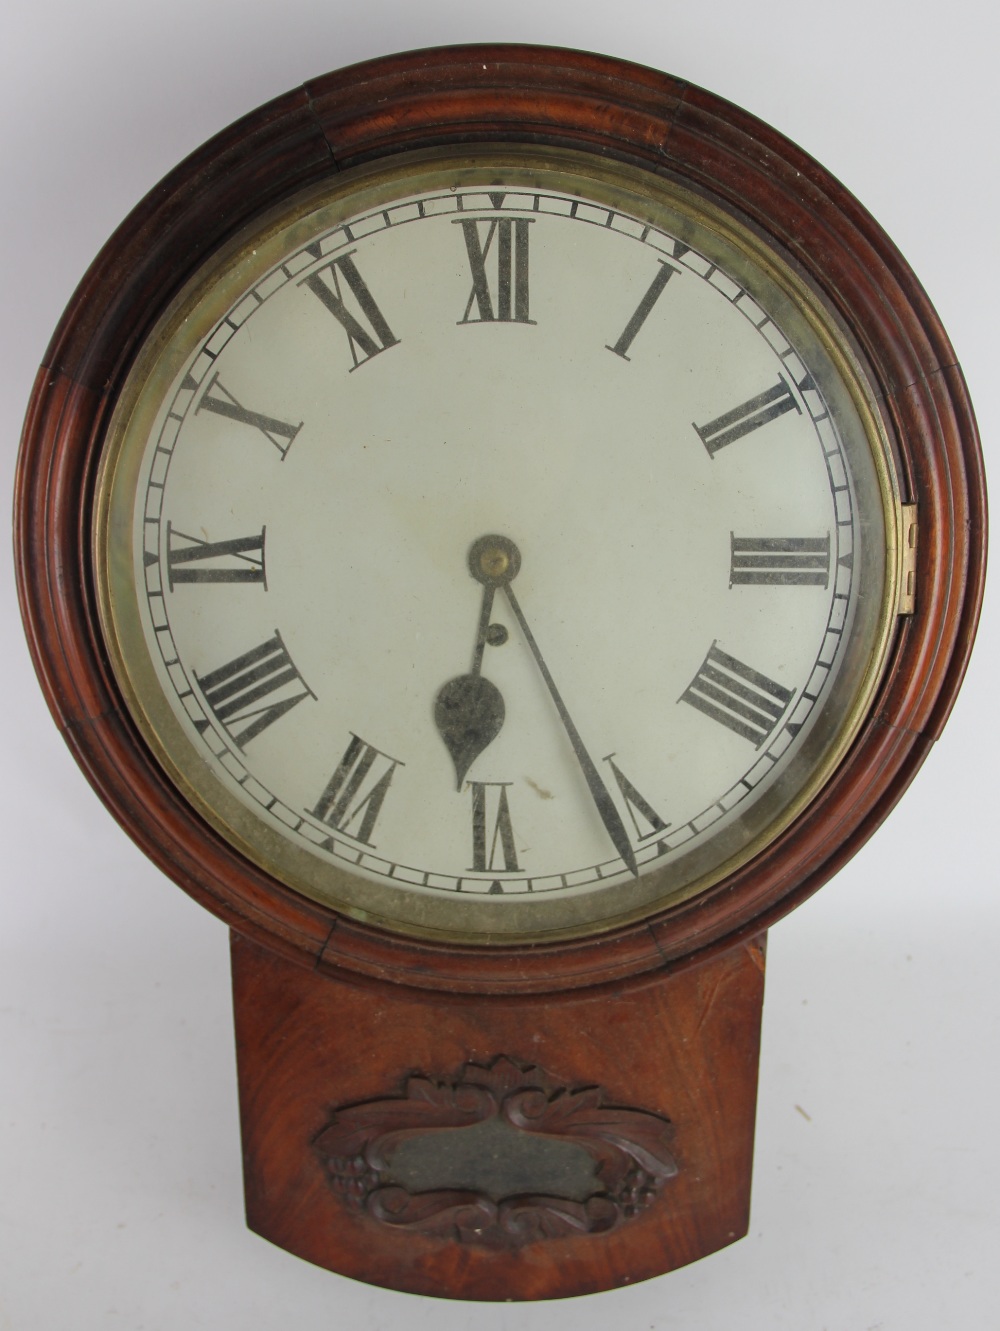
(534, 608)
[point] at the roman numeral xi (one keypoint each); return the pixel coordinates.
(368, 332)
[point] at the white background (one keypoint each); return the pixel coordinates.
(877, 1144)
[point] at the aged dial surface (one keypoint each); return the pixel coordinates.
(498, 548)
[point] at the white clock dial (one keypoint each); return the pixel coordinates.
(483, 538)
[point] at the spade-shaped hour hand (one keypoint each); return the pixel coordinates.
(468, 712)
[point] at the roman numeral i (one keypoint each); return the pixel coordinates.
(643, 309)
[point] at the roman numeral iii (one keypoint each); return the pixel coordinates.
(354, 795)
(742, 699)
(505, 299)
(367, 331)
(779, 561)
(252, 691)
(190, 559)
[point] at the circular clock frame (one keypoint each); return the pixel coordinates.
(486, 96)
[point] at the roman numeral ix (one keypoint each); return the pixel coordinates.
(367, 331)
(190, 559)
(736, 696)
(508, 238)
(354, 795)
(252, 691)
(779, 561)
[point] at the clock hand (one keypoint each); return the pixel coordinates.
(599, 792)
(469, 710)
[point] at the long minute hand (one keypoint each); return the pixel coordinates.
(610, 816)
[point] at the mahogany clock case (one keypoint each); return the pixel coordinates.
(441, 99)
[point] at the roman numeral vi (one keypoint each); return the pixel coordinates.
(486, 842)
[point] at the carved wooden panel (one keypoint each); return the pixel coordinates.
(502, 1154)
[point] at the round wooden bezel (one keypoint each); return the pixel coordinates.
(496, 94)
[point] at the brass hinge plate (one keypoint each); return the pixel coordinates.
(908, 568)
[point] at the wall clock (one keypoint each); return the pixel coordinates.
(499, 526)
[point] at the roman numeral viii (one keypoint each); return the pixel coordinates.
(190, 559)
(252, 691)
(507, 237)
(779, 561)
(367, 331)
(736, 696)
(354, 795)
(218, 399)
(749, 416)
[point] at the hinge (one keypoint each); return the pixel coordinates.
(908, 570)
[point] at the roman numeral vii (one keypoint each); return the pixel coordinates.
(354, 795)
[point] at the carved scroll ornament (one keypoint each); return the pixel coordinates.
(500, 1155)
